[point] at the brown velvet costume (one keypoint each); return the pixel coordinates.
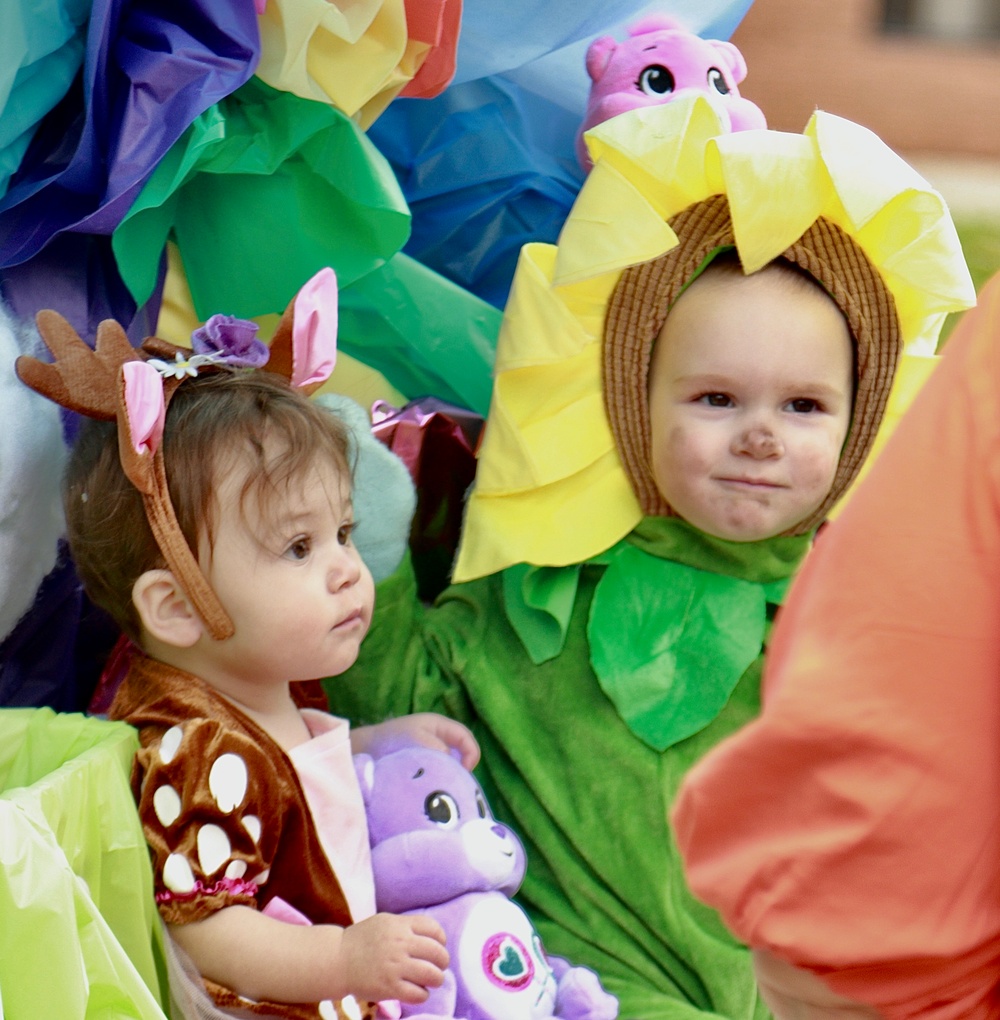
(185, 728)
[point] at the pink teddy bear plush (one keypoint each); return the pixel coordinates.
(659, 62)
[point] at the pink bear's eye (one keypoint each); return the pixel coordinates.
(718, 81)
(655, 80)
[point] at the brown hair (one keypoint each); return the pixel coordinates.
(214, 422)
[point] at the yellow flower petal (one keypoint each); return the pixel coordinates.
(528, 527)
(537, 327)
(547, 423)
(612, 226)
(661, 149)
(776, 190)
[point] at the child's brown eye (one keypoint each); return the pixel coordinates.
(804, 405)
(715, 399)
(299, 549)
(344, 533)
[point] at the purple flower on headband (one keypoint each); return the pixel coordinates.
(234, 339)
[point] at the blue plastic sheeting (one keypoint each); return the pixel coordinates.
(489, 165)
(512, 36)
(485, 168)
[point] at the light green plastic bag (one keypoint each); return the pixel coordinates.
(79, 932)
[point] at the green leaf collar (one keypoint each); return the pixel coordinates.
(677, 618)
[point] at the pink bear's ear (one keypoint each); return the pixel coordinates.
(599, 55)
(733, 58)
(655, 23)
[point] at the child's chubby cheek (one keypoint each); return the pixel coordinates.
(815, 465)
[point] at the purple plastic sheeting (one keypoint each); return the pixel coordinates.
(54, 655)
(77, 276)
(149, 70)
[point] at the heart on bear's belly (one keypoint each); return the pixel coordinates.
(507, 963)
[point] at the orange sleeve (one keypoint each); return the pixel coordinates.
(854, 828)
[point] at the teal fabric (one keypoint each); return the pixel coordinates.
(41, 50)
(677, 618)
(605, 885)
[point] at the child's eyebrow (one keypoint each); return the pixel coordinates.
(816, 388)
(712, 380)
(706, 379)
(821, 388)
(291, 519)
(299, 517)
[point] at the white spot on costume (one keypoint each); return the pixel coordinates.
(252, 824)
(169, 743)
(228, 782)
(167, 805)
(236, 869)
(177, 874)
(213, 849)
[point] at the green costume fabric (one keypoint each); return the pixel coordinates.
(677, 618)
(605, 886)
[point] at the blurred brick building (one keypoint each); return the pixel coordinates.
(922, 74)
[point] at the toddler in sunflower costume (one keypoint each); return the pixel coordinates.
(685, 386)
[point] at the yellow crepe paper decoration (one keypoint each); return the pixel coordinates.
(550, 489)
(357, 56)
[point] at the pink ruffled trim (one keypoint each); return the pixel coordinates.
(232, 886)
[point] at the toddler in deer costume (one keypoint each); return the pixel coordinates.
(209, 511)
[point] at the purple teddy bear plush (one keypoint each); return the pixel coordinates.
(659, 62)
(438, 850)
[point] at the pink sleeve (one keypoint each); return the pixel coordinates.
(854, 828)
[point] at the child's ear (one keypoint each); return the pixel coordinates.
(164, 610)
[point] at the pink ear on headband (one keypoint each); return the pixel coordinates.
(314, 330)
(144, 405)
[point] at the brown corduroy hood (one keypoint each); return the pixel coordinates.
(644, 294)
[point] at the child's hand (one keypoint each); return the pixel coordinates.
(427, 728)
(391, 956)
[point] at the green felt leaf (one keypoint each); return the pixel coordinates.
(539, 601)
(669, 642)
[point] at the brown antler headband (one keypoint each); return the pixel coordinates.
(133, 386)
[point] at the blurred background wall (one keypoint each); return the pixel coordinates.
(922, 74)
